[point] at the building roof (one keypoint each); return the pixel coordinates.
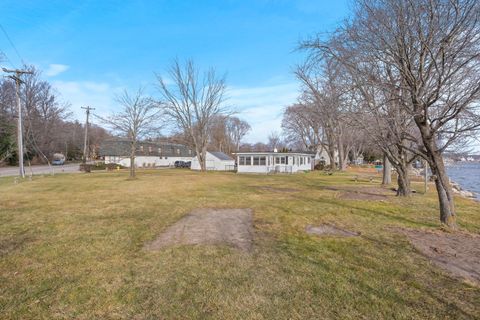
(306, 153)
(121, 148)
(220, 155)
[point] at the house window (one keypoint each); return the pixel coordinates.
(141, 148)
(256, 161)
(241, 161)
(293, 159)
(248, 161)
(263, 161)
(189, 151)
(149, 149)
(301, 160)
(280, 160)
(178, 151)
(308, 160)
(159, 150)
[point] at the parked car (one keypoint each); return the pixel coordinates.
(58, 159)
(58, 162)
(187, 164)
(179, 164)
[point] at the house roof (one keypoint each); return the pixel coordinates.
(276, 153)
(121, 148)
(220, 155)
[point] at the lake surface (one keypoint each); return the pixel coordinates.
(467, 174)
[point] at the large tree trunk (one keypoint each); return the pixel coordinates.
(444, 191)
(442, 183)
(204, 158)
(342, 161)
(331, 155)
(132, 160)
(403, 180)
(200, 158)
(387, 171)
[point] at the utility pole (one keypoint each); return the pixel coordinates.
(85, 141)
(18, 73)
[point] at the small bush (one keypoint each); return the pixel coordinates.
(85, 167)
(108, 166)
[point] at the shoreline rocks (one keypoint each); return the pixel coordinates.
(457, 189)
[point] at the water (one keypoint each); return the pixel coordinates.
(467, 175)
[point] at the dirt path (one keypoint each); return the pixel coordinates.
(458, 253)
(209, 226)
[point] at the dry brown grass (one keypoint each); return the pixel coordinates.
(73, 247)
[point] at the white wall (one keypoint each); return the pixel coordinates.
(147, 161)
(213, 163)
(323, 155)
(294, 164)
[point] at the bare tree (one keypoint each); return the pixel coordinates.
(47, 129)
(7, 127)
(300, 125)
(138, 119)
(435, 48)
(236, 130)
(226, 133)
(274, 141)
(326, 96)
(193, 103)
(219, 139)
(45, 116)
(432, 49)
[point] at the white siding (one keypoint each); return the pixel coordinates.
(146, 161)
(274, 162)
(214, 164)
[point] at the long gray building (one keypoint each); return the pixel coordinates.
(148, 154)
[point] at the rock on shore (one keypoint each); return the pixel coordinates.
(463, 193)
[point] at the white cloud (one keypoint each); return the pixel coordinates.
(55, 69)
(262, 107)
(98, 95)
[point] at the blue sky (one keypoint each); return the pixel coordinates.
(92, 50)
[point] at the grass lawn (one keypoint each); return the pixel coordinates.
(72, 247)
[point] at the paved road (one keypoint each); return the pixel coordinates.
(42, 169)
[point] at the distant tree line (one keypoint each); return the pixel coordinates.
(193, 109)
(46, 120)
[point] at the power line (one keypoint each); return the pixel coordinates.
(3, 54)
(11, 43)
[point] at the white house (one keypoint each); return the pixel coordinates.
(148, 154)
(322, 157)
(274, 162)
(215, 161)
